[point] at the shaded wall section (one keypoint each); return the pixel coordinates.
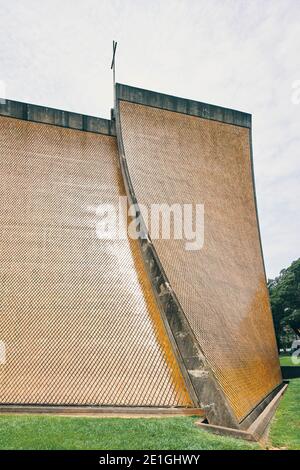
(77, 314)
(177, 157)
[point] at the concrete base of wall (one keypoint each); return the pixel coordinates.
(100, 412)
(290, 372)
(257, 429)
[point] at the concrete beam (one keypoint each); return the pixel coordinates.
(100, 411)
(257, 429)
(56, 117)
(182, 105)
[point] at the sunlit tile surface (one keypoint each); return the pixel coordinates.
(77, 314)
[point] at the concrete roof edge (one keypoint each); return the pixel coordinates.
(182, 105)
(56, 117)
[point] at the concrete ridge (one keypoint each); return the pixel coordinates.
(182, 105)
(100, 411)
(56, 117)
(258, 429)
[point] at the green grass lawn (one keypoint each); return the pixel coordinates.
(53, 432)
(285, 429)
(46, 432)
(287, 361)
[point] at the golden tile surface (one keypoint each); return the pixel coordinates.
(177, 158)
(77, 314)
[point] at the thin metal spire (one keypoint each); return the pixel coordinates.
(113, 62)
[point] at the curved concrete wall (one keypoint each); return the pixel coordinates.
(177, 152)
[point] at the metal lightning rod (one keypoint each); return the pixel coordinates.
(113, 68)
(113, 62)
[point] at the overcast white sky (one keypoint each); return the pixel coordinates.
(243, 54)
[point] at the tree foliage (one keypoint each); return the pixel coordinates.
(285, 302)
(293, 321)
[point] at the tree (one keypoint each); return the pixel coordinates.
(285, 303)
(293, 321)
